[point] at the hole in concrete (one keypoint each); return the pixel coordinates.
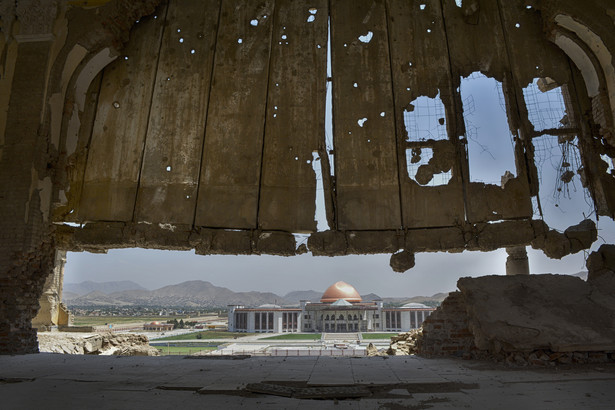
(545, 104)
(116, 104)
(562, 195)
(429, 30)
(609, 162)
(459, 3)
(310, 19)
(366, 38)
(284, 37)
(517, 25)
(239, 40)
(125, 57)
(320, 214)
(382, 114)
(422, 6)
(355, 85)
(424, 118)
(361, 122)
(490, 142)
(181, 39)
(329, 145)
(192, 51)
(254, 22)
(168, 168)
(179, 30)
(417, 157)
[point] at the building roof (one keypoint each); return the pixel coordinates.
(341, 302)
(270, 306)
(415, 306)
(340, 290)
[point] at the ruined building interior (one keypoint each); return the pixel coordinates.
(190, 124)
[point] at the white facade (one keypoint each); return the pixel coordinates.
(327, 317)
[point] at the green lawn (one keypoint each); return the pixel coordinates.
(182, 350)
(372, 336)
(209, 334)
(294, 336)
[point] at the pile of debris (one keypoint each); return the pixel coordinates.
(404, 343)
(125, 344)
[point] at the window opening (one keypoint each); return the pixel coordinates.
(562, 195)
(417, 157)
(424, 118)
(489, 140)
(545, 104)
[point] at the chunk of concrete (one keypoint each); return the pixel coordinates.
(402, 261)
(525, 313)
(327, 243)
(601, 263)
(582, 235)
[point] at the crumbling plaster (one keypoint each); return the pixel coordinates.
(51, 56)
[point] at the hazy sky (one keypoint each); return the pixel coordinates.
(433, 273)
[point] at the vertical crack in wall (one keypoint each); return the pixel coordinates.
(320, 213)
(327, 153)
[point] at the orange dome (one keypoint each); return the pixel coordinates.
(340, 290)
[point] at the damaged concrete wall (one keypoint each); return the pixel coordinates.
(52, 311)
(192, 125)
(525, 319)
(254, 140)
(37, 60)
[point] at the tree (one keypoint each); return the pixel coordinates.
(181, 324)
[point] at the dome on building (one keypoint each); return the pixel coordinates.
(340, 290)
(270, 306)
(415, 306)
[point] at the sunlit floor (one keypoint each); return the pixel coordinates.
(53, 381)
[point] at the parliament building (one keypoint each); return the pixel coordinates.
(341, 309)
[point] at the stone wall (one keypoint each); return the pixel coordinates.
(527, 319)
(446, 331)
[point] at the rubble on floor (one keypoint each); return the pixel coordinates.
(404, 343)
(125, 344)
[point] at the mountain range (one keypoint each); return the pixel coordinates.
(196, 293)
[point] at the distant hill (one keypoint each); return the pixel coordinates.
(370, 297)
(198, 293)
(191, 293)
(431, 301)
(107, 288)
(295, 297)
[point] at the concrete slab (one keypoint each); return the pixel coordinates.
(53, 381)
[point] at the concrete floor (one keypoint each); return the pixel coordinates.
(53, 381)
